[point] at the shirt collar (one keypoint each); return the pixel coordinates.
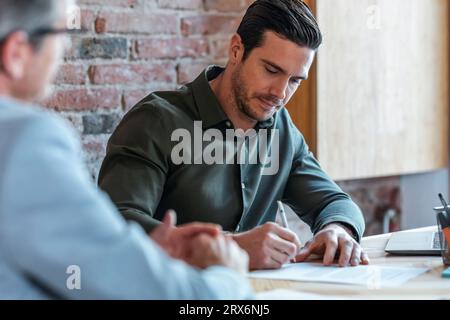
(209, 108)
(210, 111)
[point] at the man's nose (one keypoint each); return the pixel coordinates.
(279, 89)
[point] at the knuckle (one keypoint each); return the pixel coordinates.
(267, 261)
(264, 252)
(292, 249)
(332, 243)
(326, 235)
(357, 250)
(294, 239)
(348, 244)
(269, 226)
(266, 238)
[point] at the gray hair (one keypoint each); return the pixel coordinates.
(26, 15)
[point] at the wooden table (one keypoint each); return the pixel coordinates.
(427, 286)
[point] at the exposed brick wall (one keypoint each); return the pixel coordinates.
(375, 197)
(133, 47)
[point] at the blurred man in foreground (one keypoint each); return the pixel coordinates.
(59, 236)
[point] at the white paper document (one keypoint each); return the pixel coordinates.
(286, 294)
(370, 276)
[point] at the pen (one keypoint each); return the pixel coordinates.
(444, 203)
(446, 209)
(282, 214)
(443, 219)
(284, 222)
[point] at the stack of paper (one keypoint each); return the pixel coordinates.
(370, 276)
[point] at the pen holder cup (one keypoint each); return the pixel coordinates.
(445, 252)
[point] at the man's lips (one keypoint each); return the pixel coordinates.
(267, 105)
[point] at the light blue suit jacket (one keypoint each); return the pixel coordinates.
(59, 233)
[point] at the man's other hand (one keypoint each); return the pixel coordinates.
(334, 242)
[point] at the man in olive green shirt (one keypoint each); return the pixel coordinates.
(172, 150)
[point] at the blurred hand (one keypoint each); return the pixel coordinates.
(334, 241)
(269, 246)
(220, 250)
(177, 241)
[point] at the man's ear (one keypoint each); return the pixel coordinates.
(15, 53)
(236, 50)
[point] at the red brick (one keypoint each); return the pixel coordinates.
(100, 25)
(181, 4)
(226, 5)
(132, 73)
(84, 99)
(189, 70)
(71, 74)
(209, 25)
(170, 48)
(220, 47)
(114, 22)
(95, 144)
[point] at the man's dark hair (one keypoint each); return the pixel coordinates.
(291, 19)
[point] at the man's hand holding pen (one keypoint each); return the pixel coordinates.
(271, 245)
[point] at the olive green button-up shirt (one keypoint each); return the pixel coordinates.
(146, 172)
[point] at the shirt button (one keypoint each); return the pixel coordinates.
(243, 185)
(228, 124)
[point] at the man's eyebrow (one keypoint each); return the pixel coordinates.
(280, 69)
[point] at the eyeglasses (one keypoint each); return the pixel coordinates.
(37, 35)
(49, 31)
(41, 32)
